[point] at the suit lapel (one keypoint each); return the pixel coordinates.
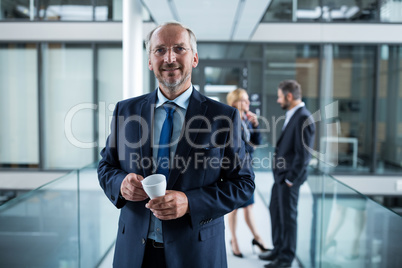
(196, 107)
(289, 125)
(147, 109)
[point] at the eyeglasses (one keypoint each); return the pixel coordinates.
(178, 50)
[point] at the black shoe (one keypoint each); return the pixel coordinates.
(278, 263)
(239, 255)
(268, 256)
(261, 247)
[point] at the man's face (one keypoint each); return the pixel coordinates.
(282, 100)
(172, 69)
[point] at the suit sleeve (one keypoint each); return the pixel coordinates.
(110, 174)
(305, 138)
(233, 189)
(255, 135)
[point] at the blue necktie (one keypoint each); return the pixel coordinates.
(166, 135)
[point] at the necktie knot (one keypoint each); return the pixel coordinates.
(169, 107)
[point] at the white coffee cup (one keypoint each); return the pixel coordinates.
(154, 185)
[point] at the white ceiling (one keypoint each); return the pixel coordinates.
(218, 20)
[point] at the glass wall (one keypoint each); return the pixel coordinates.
(343, 77)
(62, 120)
(57, 103)
(349, 81)
(389, 123)
(110, 84)
(17, 9)
(278, 10)
(19, 124)
(65, 10)
(68, 105)
(334, 11)
(282, 62)
(391, 11)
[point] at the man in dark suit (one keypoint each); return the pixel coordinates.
(208, 171)
(290, 172)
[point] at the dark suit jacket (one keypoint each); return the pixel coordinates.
(196, 239)
(291, 157)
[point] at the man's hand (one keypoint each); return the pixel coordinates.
(131, 188)
(252, 117)
(171, 206)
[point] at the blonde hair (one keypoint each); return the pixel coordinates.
(235, 95)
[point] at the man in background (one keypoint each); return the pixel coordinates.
(297, 135)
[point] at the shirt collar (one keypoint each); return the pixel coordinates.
(182, 101)
(291, 112)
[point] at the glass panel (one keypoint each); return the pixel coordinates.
(108, 10)
(389, 125)
(104, 10)
(308, 10)
(323, 10)
(228, 51)
(348, 77)
(81, 10)
(344, 225)
(110, 84)
(17, 9)
(310, 221)
(279, 10)
(40, 229)
(282, 62)
(68, 106)
(113, 10)
(220, 80)
(338, 227)
(68, 222)
(349, 10)
(98, 219)
(19, 123)
(391, 11)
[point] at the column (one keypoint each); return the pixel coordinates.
(132, 49)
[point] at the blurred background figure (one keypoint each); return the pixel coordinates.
(238, 98)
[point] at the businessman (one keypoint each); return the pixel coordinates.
(195, 142)
(297, 135)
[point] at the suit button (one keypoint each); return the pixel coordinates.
(112, 197)
(143, 241)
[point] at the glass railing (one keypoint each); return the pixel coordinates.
(70, 223)
(339, 227)
(65, 223)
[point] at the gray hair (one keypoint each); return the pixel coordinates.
(193, 39)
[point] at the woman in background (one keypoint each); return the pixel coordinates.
(238, 98)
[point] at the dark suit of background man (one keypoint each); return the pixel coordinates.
(290, 172)
(210, 174)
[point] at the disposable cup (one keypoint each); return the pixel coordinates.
(154, 185)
